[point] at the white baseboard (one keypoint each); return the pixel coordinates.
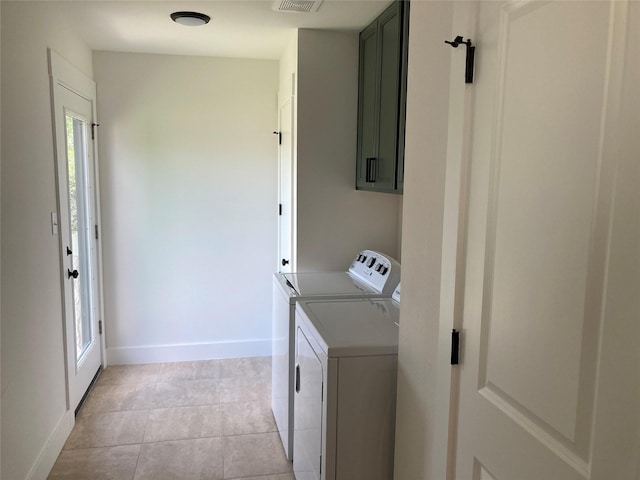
(187, 352)
(49, 453)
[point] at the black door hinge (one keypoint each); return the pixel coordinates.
(279, 209)
(471, 53)
(93, 130)
(455, 347)
(100, 327)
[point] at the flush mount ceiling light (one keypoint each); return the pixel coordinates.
(191, 19)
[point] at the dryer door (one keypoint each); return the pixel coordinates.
(307, 437)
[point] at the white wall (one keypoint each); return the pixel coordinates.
(188, 167)
(334, 221)
(34, 419)
(420, 451)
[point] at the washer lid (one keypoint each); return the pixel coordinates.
(328, 283)
(354, 327)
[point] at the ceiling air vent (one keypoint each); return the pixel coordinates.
(298, 6)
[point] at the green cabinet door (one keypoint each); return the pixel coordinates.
(389, 31)
(367, 101)
(381, 101)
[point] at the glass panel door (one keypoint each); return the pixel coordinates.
(74, 98)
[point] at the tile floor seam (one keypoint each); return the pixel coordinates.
(183, 439)
(135, 470)
(222, 453)
(101, 446)
(146, 426)
(248, 434)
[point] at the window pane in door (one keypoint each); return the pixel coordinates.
(80, 231)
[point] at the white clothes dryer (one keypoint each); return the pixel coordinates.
(345, 384)
(371, 275)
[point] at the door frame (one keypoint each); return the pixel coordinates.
(64, 74)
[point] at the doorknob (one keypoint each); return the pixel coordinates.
(285, 262)
(73, 274)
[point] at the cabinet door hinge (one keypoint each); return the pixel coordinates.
(455, 347)
(100, 327)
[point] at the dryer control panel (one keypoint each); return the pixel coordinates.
(378, 270)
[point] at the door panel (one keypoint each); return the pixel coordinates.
(482, 474)
(540, 231)
(77, 220)
(285, 167)
(540, 196)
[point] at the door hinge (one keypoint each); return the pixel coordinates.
(100, 327)
(96, 230)
(455, 347)
(279, 209)
(93, 130)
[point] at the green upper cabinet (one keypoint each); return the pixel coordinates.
(381, 101)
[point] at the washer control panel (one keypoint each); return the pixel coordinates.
(378, 270)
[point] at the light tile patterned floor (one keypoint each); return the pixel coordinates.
(208, 420)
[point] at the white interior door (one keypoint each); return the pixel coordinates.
(539, 337)
(285, 194)
(73, 120)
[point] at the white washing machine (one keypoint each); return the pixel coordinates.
(371, 275)
(345, 384)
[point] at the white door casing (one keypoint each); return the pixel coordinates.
(543, 123)
(73, 99)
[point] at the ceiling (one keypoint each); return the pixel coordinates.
(238, 28)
